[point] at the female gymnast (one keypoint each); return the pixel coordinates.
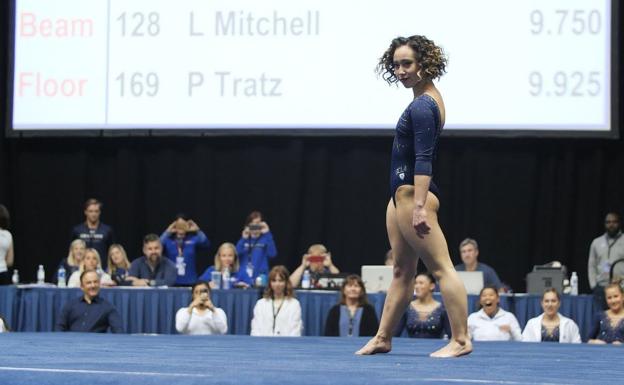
(411, 216)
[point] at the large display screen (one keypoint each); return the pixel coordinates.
(528, 66)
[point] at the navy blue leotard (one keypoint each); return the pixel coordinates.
(415, 143)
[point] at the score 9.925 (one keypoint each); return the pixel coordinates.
(564, 84)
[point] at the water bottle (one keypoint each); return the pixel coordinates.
(258, 281)
(15, 278)
(574, 284)
(250, 268)
(225, 279)
(305, 281)
(40, 275)
(60, 275)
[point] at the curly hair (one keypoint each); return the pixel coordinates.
(429, 57)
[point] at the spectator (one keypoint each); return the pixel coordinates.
(608, 326)
(603, 251)
(550, 326)
(492, 323)
(389, 258)
(6, 246)
(90, 312)
(91, 261)
(318, 260)
(74, 259)
(118, 264)
(180, 243)
(152, 269)
(4, 326)
(469, 250)
(278, 313)
(201, 316)
(425, 317)
(227, 257)
(353, 316)
(94, 233)
(256, 246)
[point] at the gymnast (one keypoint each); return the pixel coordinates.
(411, 216)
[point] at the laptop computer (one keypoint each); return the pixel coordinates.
(376, 277)
(473, 281)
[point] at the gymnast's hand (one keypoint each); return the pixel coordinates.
(419, 221)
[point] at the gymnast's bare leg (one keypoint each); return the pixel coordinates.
(427, 242)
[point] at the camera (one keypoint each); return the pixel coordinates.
(255, 226)
(203, 291)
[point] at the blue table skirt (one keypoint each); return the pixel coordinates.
(153, 310)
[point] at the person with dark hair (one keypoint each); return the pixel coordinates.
(152, 269)
(608, 326)
(425, 317)
(412, 211)
(277, 313)
(353, 316)
(550, 326)
(201, 316)
(603, 252)
(90, 312)
(92, 231)
(180, 241)
(7, 256)
(491, 323)
(256, 246)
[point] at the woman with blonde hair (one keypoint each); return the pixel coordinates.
(71, 264)
(118, 264)
(91, 261)
(227, 257)
(608, 325)
(278, 313)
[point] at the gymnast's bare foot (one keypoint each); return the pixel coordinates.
(453, 349)
(377, 344)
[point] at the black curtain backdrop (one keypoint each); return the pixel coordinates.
(526, 201)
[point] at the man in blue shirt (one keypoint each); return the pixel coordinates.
(469, 250)
(89, 313)
(152, 269)
(94, 233)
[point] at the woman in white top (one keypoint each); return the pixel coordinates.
(492, 323)
(201, 316)
(6, 246)
(551, 326)
(278, 313)
(91, 261)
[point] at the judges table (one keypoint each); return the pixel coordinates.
(33, 309)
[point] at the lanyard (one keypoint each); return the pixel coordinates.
(275, 313)
(610, 245)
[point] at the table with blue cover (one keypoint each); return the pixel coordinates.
(149, 310)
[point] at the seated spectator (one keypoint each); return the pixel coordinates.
(4, 326)
(318, 261)
(227, 257)
(469, 250)
(180, 243)
(492, 323)
(91, 261)
(152, 269)
(74, 258)
(256, 246)
(118, 264)
(92, 231)
(201, 316)
(6, 246)
(551, 326)
(389, 258)
(90, 312)
(425, 317)
(278, 313)
(353, 316)
(608, 326)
